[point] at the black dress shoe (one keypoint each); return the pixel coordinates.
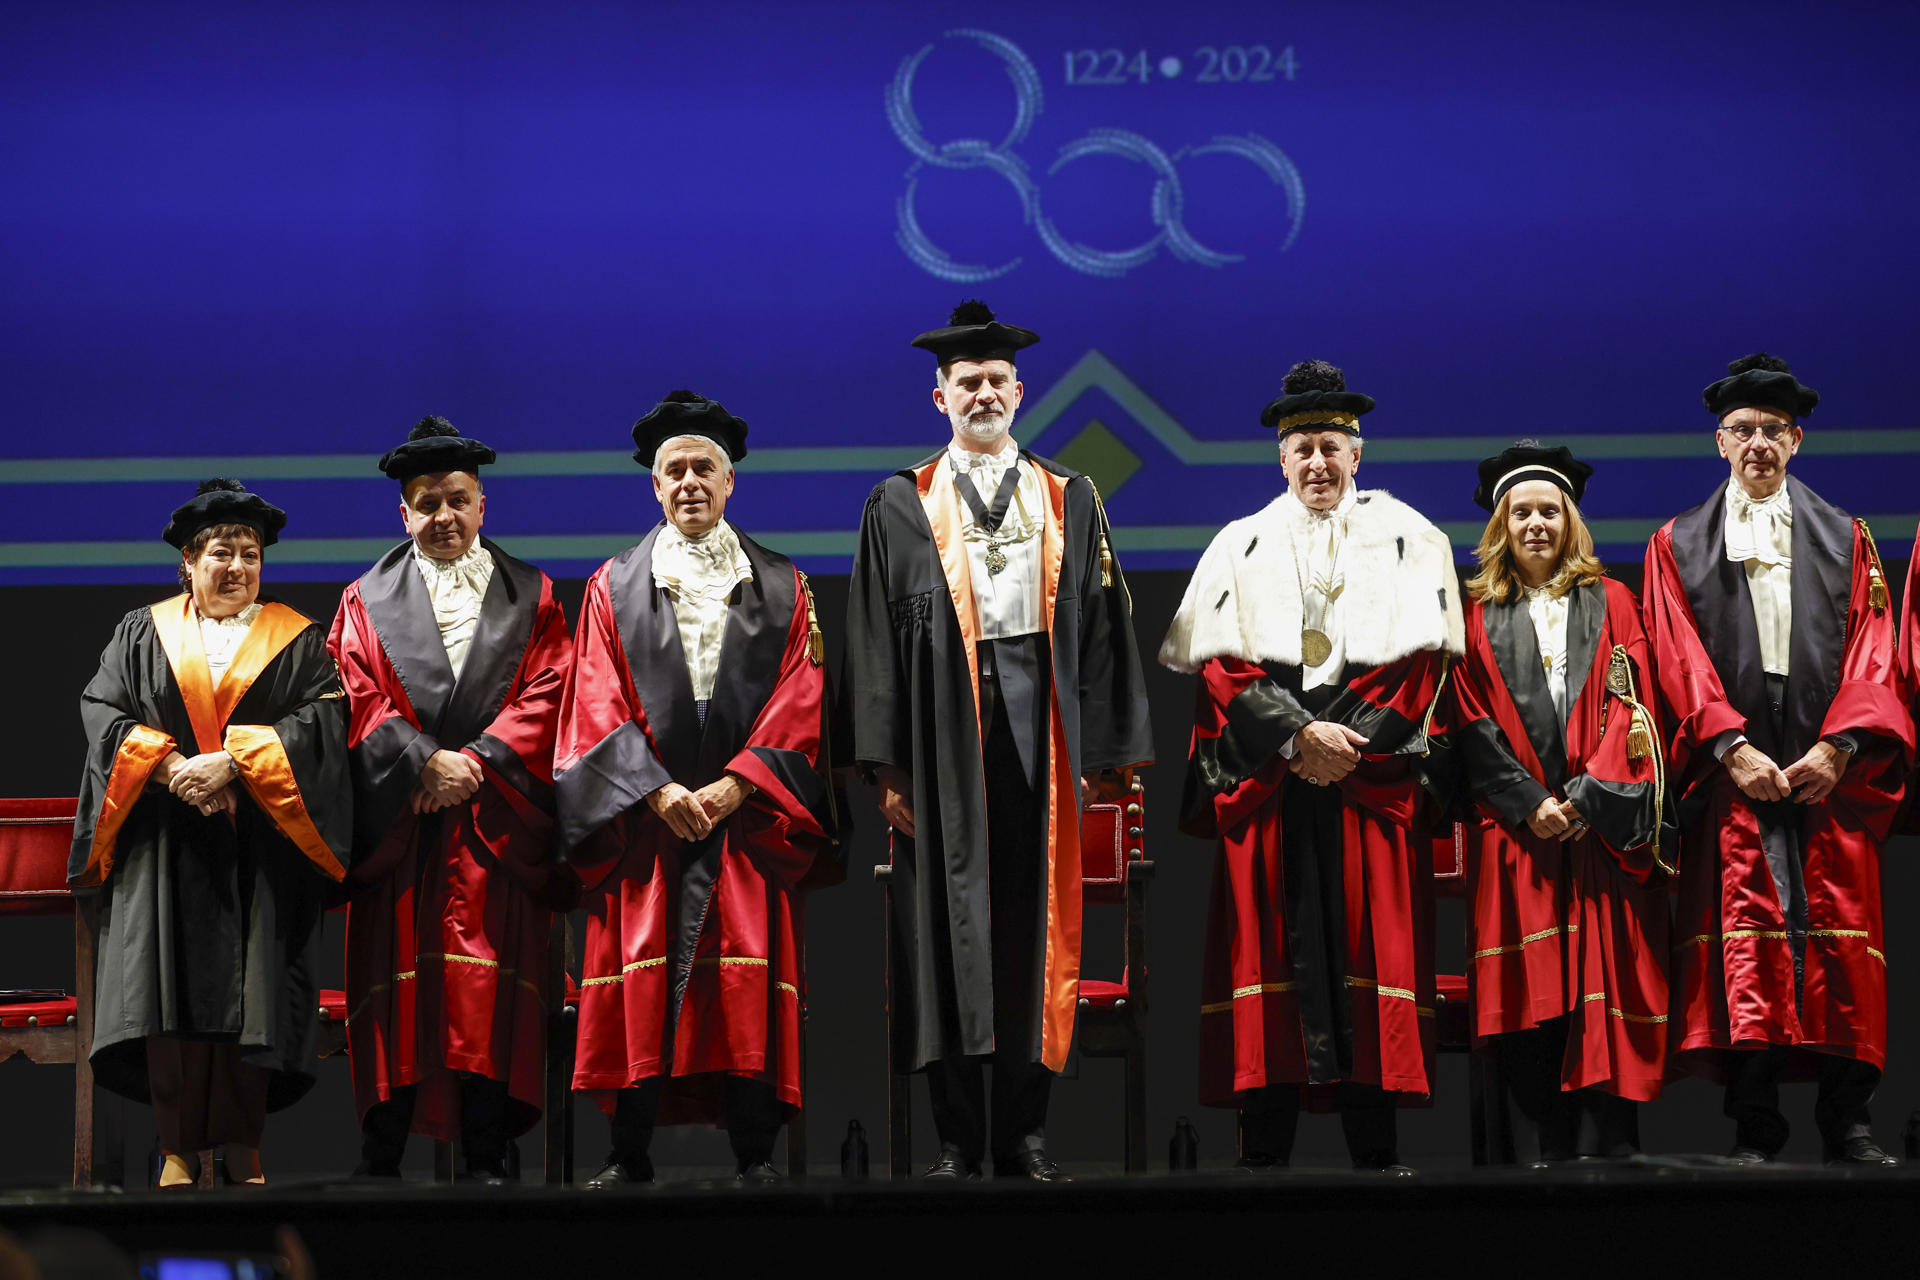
(1032, 1165)
(1747, 1157)
(1862, 1152)
(951, 1166)
(488, 1175)
(368, 1171)
(1389, 1166)
(621, 1173)
(759, 1172)
(1260, 1164)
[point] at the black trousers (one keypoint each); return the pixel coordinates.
(1846, 1087)
(751, 1110)
(1270, 1117)
(1569, 1123)
(483, 1124)
(1013, 705)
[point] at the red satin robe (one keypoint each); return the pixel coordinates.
(1733, 969)
(1575, 929)
(1254, 1030)
(446, 940)
(694, 962)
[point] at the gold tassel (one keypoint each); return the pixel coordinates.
(1876, 577)
(1106, 551)
(816, 643)
(1639, 737)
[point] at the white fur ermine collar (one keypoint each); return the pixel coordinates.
(1244, 600)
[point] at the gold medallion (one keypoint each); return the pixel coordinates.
(996, 558)
(1315, 648)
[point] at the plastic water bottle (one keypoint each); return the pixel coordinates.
(1183, 1152)
(853, 1153)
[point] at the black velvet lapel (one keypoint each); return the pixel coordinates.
(1723, 612)
(1822, 589)
(651, 637)
(397, 604)
(1517, 653)
(498, 648)
(751, 651)
(1586, 614)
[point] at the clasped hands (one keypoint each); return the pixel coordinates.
(692, 815)
(1808, 780)
(449, 778)
(202, 781)
(1556, 820)
(1324, 752)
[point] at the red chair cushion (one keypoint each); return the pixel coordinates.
(1102, 995)
(42, 1013)
(333, 1006)
(35, 837)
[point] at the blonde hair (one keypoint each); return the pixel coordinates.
(1498, 581)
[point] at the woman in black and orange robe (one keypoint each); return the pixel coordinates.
(213, 813)
(1567, 930)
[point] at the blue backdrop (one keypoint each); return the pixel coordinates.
(264, 239)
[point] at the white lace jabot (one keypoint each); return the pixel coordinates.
(1007, 602)
(457, 588)
(1320, 540)
(699, 574)
(222, 637)
(1549, 614)
(1759, 535)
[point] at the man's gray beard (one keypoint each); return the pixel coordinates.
(985, 430)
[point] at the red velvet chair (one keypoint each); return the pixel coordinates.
(35, 836)
(1114, 871)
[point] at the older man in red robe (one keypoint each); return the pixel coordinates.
(1773, 645)
(694, 802)
(1320, 629)
(453, 654)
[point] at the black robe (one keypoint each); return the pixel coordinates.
(913, 702)
(209, 926)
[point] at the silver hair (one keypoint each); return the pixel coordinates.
(719, 451)
(940, 373)
(1354, 442)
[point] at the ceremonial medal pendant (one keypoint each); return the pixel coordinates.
(1315, 648)
(996, 558)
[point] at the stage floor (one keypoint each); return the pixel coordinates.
(1666, 1217)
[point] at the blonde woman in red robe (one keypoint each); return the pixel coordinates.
(1566, 869)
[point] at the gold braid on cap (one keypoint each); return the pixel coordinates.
(1314, 416)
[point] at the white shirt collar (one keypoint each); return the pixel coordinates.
(966, 460)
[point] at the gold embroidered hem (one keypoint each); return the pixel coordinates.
(1554, 932)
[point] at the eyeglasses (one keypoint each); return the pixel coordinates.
(1773, 432)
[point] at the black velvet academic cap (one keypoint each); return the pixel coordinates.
(224, 501)
(685, 413)
(973, 334)
(1315, 397)
(1531, 460)
(1760, 381)
(434, 445)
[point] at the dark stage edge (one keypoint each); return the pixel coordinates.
(1668, 1218)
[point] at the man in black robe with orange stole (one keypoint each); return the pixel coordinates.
(694, 803)
(992, 668)
(454, 655)
(1773, 644)
(1320, 628)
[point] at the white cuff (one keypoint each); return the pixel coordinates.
(1290, 748)
(1725, 743)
